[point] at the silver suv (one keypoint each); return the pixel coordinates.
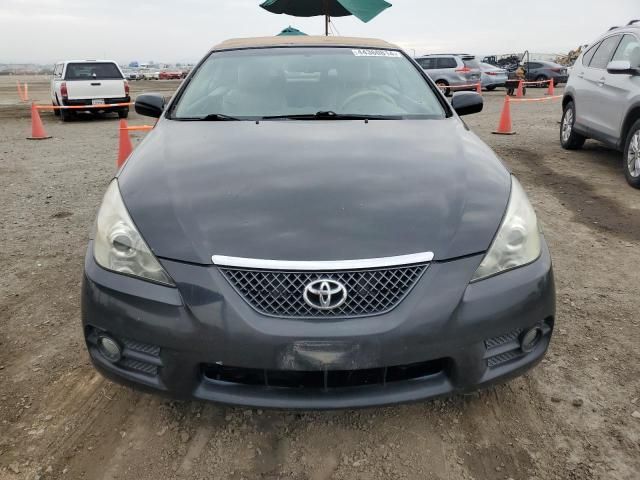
(450, 70)
(602, 98)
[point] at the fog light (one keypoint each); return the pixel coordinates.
(109, 348)
(530, 339)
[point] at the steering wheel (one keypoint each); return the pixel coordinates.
(364, 94)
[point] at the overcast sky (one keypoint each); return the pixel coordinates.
(183, 30)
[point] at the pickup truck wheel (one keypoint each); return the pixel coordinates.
(56, 112)
(632, 156)
(569, 138)
(66, 115)
(123, 113)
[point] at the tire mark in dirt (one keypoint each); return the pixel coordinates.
(597, 212)
(209, 421)
(274, 451)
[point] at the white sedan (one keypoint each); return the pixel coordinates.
(492, 76)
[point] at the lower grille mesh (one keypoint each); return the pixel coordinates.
(280, 293)
(502, 339)
(503, 358)
(322, 379)
(141, 347)
(503, 348)
(142, 367)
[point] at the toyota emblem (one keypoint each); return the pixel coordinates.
(325, 294)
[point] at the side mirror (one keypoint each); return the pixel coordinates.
(621, 67)
(466, 103)
(150, 104)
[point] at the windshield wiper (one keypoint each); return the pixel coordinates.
(331, 115)
(212, 117)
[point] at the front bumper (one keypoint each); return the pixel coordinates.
(201, 340)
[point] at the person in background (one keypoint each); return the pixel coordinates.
(520, 75)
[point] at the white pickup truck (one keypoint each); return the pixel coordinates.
(89, 82)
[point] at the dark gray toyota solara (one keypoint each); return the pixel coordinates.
(310, 225)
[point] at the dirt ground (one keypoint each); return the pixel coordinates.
(573, 417)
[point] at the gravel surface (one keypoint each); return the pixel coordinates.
(576, 416)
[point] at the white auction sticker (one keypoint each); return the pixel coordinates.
(362, 52)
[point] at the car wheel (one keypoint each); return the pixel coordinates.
(541, 78)
(490, 88)
(56, 111)
(632, 156)
(569, 138)
(441, 84)
(123, 113)
(66, 115)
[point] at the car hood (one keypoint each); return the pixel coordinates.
(314, 190)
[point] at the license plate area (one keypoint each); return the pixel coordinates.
(97, 101)
(322, 355)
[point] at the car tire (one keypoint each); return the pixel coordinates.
(541, 78)
(123, 113)
(56, 111)
(632, 156)
(569, 138)
(490, 88)
(443, 83)
(66, 115)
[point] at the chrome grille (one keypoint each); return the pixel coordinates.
(280, 293)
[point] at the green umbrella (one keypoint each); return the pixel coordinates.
(290, 31)
(365, 10)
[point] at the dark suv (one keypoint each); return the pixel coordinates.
(602, 98)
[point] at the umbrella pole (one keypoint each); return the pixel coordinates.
(326, 18)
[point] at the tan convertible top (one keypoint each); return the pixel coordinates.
(302, 41)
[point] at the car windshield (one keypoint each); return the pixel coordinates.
(304, 82)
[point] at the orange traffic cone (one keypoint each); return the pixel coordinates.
(520, 91)
(504, 126)
(125, 147)
(37, 129)
(551, 91)
(20, 94)
(25, 92)
(479, 88)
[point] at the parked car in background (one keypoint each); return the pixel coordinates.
(602, 98)
(170, 75)
(493, 77)
(133, 75)
(539, 71)
(150, 74)
(451, 70)
(89, 82)
(310, 225)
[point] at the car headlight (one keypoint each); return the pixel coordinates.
(517, 242)
(117, 244)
